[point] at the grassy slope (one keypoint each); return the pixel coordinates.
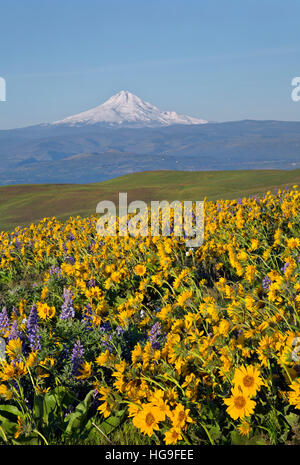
(23, 204)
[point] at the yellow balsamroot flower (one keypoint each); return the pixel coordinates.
(10, 371)
(161, 403)
(14, 349)
(136, 354)
(119, 374)
(180, 278)
(226, 365)
(277, 237)
(180, 417)
(242, 255)
(105, 409)
(47, 363)
(244, 428)
(263, 326)
(134, 408)
(239, 219)
(143, 285)
(116, 276)
(248, 379)
(250, 303)
(173, 436)
(44, 293)
(147, 419)
(254, 244)
(94, 292)
(224, 327)
(239, 404)
(104, 392)
(5, 392)
(250, 273)
(44, 311)
(293, 242)
(171, 396)
(22, 305)
(20, 428)
(41, 390)
(156, 395)
(266, 254)
(85, 370)
(140, 270)
(103, 358)
(185, 298)
(164, 311)
(157, 279)
(31, 359)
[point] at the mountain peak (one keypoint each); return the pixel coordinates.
(124, 99)
(126, 109)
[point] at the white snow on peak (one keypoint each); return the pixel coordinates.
(127, 109)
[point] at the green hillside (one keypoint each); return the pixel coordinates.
(21, 205)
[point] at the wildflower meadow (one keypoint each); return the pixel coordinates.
(141, 340)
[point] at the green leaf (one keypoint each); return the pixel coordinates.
(38, 410)
(237, 440)
(53, 404)
(8, 427)
(10, 412)
(78, 419)
(32, 440)
(111, 423)
(215, 432)
(292, 419)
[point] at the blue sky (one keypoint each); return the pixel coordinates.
(215, 59)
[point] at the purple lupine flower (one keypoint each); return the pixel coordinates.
(119, 330)
(95, 399)
(106, 338)
(153, 335)
(266, 282)
(285, 267)
(91, 245)
(14, 332)
(77, 357)
(65, 353)
(105, 327)
(17, 244)
(4, 321)
(33, 329)
(67, 307)
(15, 385)
(106, 342)
(55, 270)
(92, 282)
(69, 410)
(69, 259)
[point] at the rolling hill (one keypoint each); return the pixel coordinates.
(21, 205)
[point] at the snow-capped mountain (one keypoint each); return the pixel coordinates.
(127, 109)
